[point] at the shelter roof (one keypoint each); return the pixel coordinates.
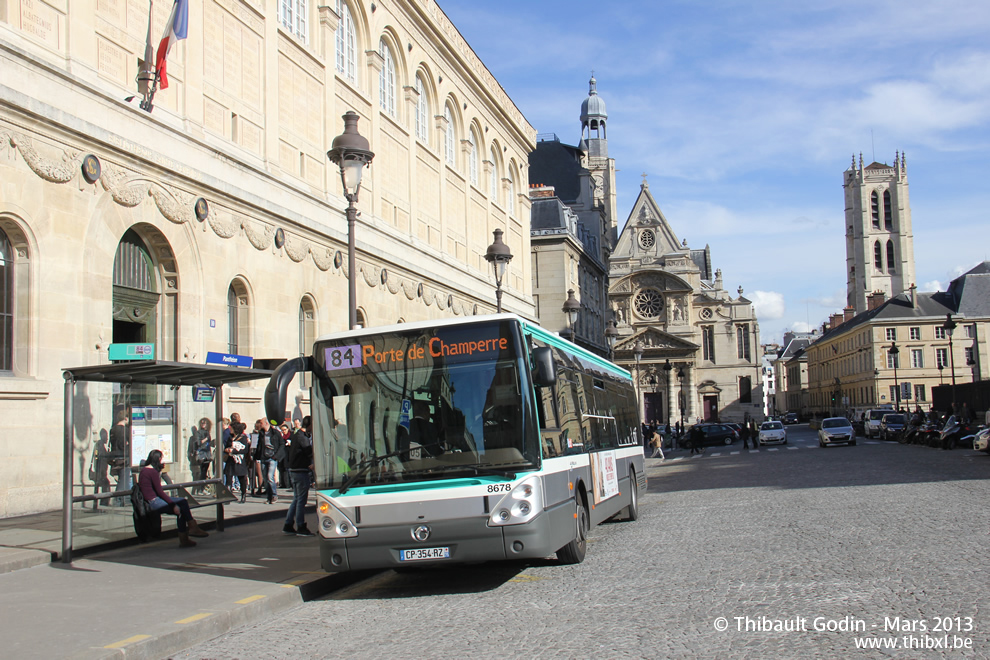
(158, 372)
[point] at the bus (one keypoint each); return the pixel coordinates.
(464, 441)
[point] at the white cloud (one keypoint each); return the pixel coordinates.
(934, 285)
(768, 304)
(800, 326)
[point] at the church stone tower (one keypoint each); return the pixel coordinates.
(601, 168)
(879, 241)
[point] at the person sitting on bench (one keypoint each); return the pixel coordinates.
(150, 483)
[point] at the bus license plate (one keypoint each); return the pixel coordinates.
(424, 553)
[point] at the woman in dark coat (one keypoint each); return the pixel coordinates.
(237, 455)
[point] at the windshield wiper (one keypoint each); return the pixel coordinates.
(362, 468)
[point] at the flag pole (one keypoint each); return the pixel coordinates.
(147, 77)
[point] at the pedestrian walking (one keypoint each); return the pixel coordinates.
(696, 436)
(269, 438)
(657, 443)
(744, 432)
(300, 470)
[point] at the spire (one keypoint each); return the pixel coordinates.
(644, 185)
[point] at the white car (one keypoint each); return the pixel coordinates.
(982, 441)
(772, 433)
(836, 431)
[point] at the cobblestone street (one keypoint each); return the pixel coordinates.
(874, 542)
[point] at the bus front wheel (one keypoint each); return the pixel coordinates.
(574, 552)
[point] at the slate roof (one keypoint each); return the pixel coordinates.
(555, 164)
(547, 213)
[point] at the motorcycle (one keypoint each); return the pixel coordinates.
(956, 433)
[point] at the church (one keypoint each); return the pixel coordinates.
(693, 348)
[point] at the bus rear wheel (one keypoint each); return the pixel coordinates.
(575, 551)
(632, 511)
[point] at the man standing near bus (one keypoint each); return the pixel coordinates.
(300, 469)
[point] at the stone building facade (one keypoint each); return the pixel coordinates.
(216, 222)
(572, 190)
(879, 238)
(666, 298)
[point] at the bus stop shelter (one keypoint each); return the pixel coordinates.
(151, 372)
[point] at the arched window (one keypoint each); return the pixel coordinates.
(307, 331)
(346, 43)
(237, 318)
(6, 305)
(875, 209)
(450, 141)
(891, 262)
(362, 320)
(386, 80)
(422, 112)
(510, 203)
(888, 217)
(493, 178)
(878, 256)
(473, 157)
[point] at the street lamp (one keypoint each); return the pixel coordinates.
(638, 354)
(950, 327)
(876, 377)
(611, 335)
(897, 390)
(570, 309)
(499, 256)
(667, 366)
(680, 393)
(351, 153)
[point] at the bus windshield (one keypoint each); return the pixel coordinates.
(421, 405)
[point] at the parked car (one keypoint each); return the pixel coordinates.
(836, 431)
(982, 441)
(790, 418)
(717, 434)
(871, 425)
(772, 433)
(891, 425)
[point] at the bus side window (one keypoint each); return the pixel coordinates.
(548, 422)
(570, 414)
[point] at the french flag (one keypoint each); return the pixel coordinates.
(176, 29)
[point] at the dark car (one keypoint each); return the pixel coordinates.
(891, 426)
(789, 418)
(717, 434)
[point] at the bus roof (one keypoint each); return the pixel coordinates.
(542, 334)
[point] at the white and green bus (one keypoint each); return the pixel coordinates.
(464, 441)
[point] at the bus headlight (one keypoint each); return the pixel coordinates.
(520, 505)
(333, 523)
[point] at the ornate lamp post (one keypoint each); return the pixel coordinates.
(499, 256)
(570, 309)
(638, 354)
(876, 377)
(611, 335)
(950, 327)
(351, 153)
(667, 366)
(893, 350)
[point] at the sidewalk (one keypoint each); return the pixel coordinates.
(151, 600)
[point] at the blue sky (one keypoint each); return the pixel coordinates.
(745, 114)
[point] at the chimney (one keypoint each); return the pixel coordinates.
(848, 313)
(914, 296)
(834, 321)
(875, 299)
(539, 190)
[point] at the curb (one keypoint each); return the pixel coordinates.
(14, 559)
(179, 637)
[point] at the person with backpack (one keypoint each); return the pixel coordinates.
(300, 469)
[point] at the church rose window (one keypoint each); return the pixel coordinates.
(647, 239)
(706, 314)
(648, 303)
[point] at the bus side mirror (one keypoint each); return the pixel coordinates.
(275, 392)
(544, 368)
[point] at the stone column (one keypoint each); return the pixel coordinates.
(672, 411)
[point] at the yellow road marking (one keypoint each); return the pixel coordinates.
(296, 583)
(195, 617)
(249, 599)
(124, 642)
(526, 578)
(309, 572)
